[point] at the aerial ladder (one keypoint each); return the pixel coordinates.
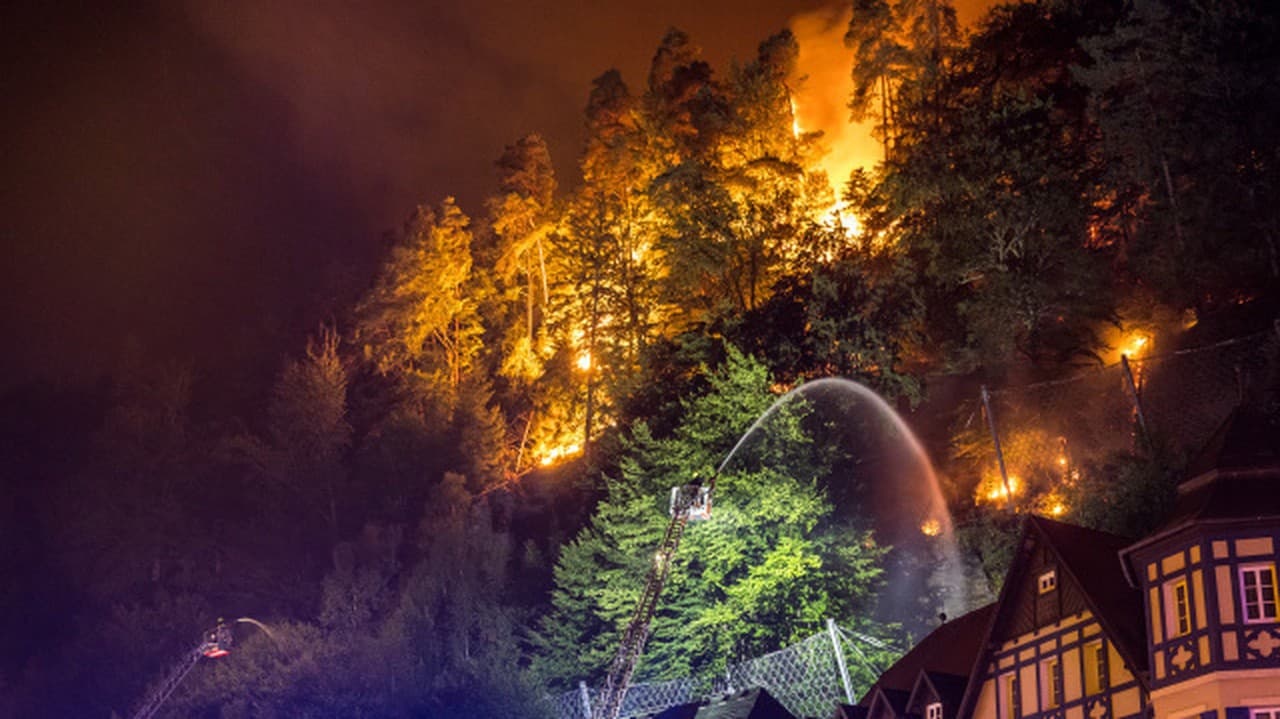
(214, 644)
(690, 502)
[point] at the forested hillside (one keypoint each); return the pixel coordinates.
(445, 504)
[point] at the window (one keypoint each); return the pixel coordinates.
(1009, 708)
(1051, 683)
(1258, 592)
(934, 711)
(1177, 609)
(1094, 669)
(1265, 713)
(1048, 581)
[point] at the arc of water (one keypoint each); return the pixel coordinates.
(936, 499)
(260, 625)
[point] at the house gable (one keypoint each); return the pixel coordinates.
(1060, 643)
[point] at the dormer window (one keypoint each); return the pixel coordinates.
(1258, 592)
(1048, 581)
(933, 711)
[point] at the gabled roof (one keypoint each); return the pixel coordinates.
(949, 649)
(850, 711)
(894, 699)
(1248, 439)
(1236, 477)
(931, 686)
(1090, 559)
(747, 704)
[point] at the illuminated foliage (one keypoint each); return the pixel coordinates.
(768, 568)
(419, 320)
(901, 50)
(990, 194)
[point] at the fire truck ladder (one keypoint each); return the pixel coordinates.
(213, 645)
(688, 502)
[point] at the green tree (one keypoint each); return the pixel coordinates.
(766, 570)
(1187, 100)
(995, 205)
(857, 316)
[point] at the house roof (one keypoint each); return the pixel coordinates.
(748, 704)
(896, 699)
(850, 711)
(948, 688)
(949, 649)
(1093, 560)
(1090, 559)
(1236, 477)
(1248, 439)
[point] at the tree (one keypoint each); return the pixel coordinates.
(857, 316)
(995, 204)
(308, 429)
(521, 216)
(734, 213)
(418, 320)
(1187, 100)
(768, 568)
(607, 252)
(901, 51)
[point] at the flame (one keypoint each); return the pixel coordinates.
(555, 454)
(931, 527)
(992, 488)
(1134, 343)
(840, 217)
(820, 102)
(1053, 505)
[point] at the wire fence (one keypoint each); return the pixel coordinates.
(1176, 398)
(1038, 432)
(1035, 431)
(809, 678)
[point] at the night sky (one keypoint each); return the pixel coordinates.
(207, 181)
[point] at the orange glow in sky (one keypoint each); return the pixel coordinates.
(821, 94)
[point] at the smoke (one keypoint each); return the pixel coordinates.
(822, 89)
(823, 86)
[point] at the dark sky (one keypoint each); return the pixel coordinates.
(207, 180)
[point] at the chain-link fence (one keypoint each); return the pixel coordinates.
(808, 678)
(1040, 431)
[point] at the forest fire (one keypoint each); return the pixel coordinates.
(820, 103)
(1134, 344)
(462, 475)
(993, 488)
(552, 455)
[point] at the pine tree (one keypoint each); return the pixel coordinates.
(419, 320)
(766, 570)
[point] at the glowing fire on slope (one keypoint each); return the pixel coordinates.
(820, 103)
(992, 488)
(552, 455)
(1134, 344)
